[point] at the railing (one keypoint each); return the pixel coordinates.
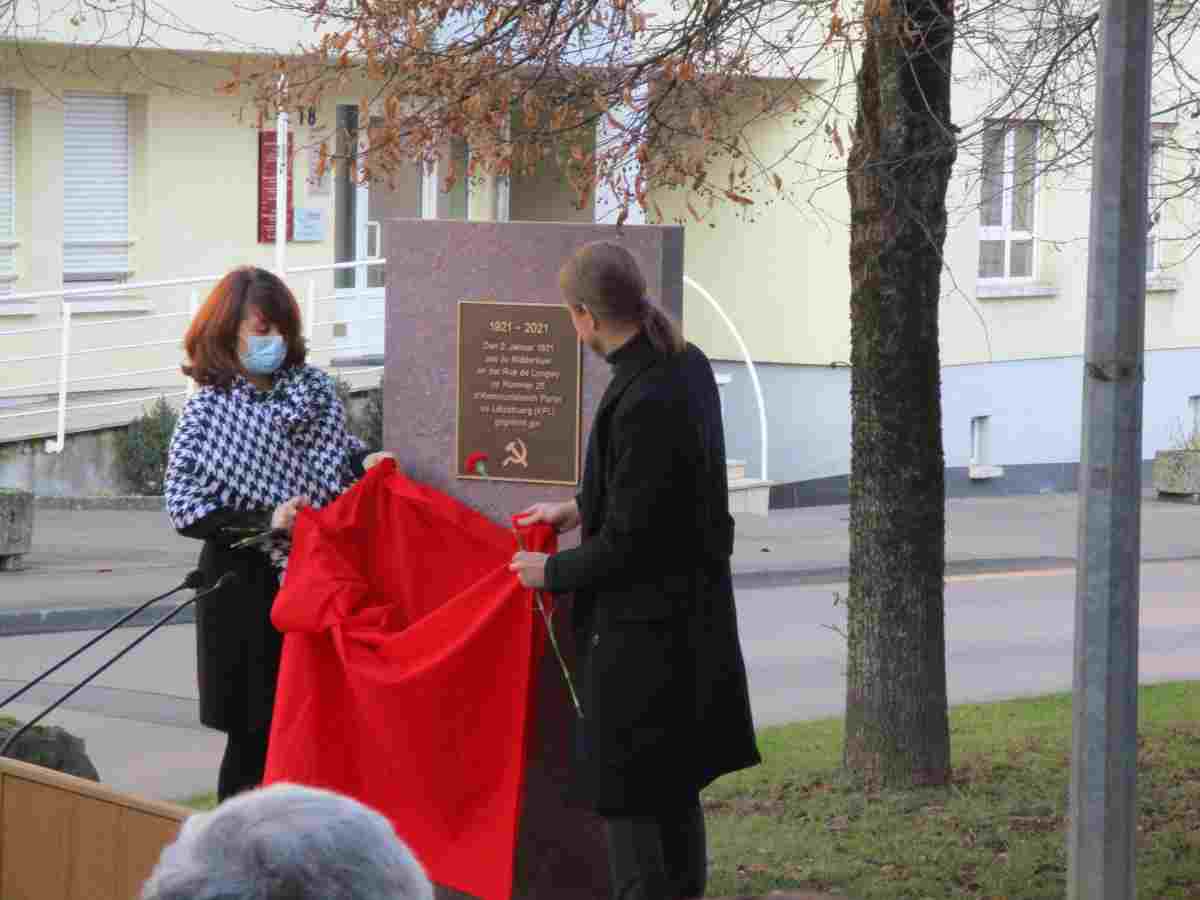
(737, 336)
(72, 330)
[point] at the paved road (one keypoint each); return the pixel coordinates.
(1008, 634)
(98, 558)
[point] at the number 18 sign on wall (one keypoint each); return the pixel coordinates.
(519, 391)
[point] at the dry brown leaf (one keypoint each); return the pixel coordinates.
(837, 141)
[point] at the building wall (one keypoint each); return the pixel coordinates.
(779, 268)
(1011, 350)
(1034, 408)
(193, 212)
(545, 196)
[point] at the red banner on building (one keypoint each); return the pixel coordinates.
(268, 152)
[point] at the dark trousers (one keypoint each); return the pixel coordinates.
(243, 764)
(661, 857)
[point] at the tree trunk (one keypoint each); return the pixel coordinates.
(897, 732)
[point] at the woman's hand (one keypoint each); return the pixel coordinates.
(530, 568)
(284, 516)
(561, 516)
(374, 459)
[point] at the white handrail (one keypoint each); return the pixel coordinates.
(347, 321)
(63, 373)
(311, 311)
(337, 267)
(119, 374)
(43, 356)
(111, 288)
(134, 286)
(125, 321)
(64, 404)
(762, 407)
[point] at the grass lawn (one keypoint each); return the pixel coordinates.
(997, 832)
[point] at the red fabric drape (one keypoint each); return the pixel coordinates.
(408, 661)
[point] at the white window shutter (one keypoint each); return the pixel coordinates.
(7, 192)
(96, 180)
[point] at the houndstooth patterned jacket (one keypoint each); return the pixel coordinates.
(241, 449)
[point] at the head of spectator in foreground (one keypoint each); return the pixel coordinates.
(287, 842)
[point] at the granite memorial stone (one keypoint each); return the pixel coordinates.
(481, 358)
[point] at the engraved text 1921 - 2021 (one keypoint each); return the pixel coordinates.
(519, 391)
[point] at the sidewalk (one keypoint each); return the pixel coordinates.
(140, 717)
(982, 534)
(90, 566)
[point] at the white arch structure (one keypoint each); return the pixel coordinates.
(762, 407)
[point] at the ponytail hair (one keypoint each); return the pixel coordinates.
(661, 329)
(606, 279)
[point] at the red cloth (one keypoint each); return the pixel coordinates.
(408, 663)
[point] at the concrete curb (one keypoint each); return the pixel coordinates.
(784, 576)
(149, 504)
(57, 621)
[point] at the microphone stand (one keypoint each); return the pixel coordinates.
(193, 581)
(224, 581)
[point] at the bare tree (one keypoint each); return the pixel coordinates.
(677, 86)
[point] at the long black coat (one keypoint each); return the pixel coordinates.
(237, 647)
(660, 668)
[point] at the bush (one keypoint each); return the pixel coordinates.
(142, 448)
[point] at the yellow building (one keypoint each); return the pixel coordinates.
(126, 165)
(1014, 294)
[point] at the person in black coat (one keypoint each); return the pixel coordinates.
(264, 435)
(662, 681)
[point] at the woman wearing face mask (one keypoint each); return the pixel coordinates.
(264, 435)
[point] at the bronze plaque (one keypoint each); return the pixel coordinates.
(518, 391)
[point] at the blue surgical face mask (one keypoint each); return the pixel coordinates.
(265, 354)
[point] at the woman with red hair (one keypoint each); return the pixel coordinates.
(264, 435)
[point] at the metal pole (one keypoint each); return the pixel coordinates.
(310, 311)
(64, 369)
(1103, 810)
(281, 182)
(193, 308)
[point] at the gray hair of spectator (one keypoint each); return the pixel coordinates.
(289, 842)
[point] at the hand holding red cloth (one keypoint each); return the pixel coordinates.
(408, 660)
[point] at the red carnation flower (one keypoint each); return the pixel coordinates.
(477, 464)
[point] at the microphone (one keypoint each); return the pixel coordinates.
(193, 580)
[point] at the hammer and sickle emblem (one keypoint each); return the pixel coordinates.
(518, 454)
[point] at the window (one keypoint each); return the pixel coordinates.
(1008, 200)
(979, 441)
(96, 164)
(7, 194)
(980, 466)
(1157, 194)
